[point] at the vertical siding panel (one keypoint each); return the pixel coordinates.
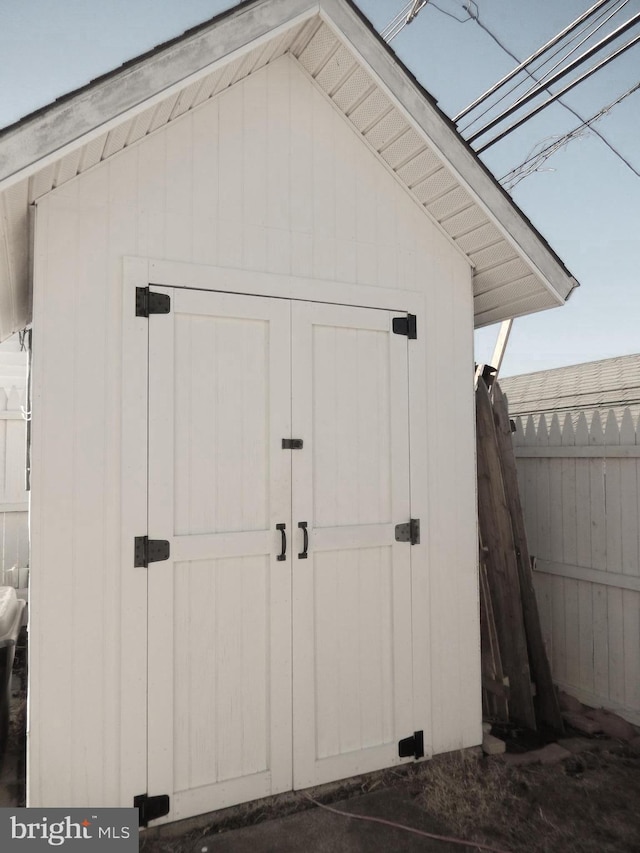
(204, 196)
(346, 165)
(445, 593)
(91, 588)
(230, 196)
(465, 543)
(365, 223)
(51, 738)
(255, 168)
(124, 220)
(323, 200)
(279, 189)
(151, 197)
(301, 176)
(179, 180)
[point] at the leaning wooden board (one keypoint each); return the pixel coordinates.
(546, 700)
(502, 569)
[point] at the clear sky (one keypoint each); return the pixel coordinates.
(586, 202)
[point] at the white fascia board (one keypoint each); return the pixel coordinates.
(97, 109)
(502, 212)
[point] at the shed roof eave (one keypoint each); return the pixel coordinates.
(422, 109)
(57, 128)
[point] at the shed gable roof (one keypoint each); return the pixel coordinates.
(515, 271)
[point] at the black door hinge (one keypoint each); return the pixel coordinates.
(411, 747)
(150, 808)
(405, 326)
(147, 551)
(409, 532)
(149, 302)
(292, 444)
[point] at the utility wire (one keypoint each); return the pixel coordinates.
(539, 87)
(395, 22)
(536, 159)
(563, 103)
(555, 97)
(404, 17)
(530, 72)
(541, 81)
(522, 65)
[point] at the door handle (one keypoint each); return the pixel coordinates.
(305, 547)
(283, 554)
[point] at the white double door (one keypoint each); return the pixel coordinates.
(275, 666)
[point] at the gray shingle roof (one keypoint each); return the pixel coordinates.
(613, 383)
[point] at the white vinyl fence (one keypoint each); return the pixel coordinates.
(14, 516)
(580, 487)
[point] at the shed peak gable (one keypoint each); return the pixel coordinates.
(515, 272)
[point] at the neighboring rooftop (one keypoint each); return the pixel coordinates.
(612, 383)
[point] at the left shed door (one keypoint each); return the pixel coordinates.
(220, 608)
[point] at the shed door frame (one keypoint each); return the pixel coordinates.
(140, 272)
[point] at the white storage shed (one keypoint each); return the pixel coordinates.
(256, 255)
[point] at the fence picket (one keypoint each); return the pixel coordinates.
(555, 494)
(569, 513)
(613, 501)
(583, 510)
(14, 519)
(529, 468)
(585, 628)
(583, 496)
(543, 538)
(629, 504)
(597, 468)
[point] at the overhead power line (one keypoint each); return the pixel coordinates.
(539, 87)
(569, 108)
(539, 156)
(407, 14)
(551, 43)
(558, 95)
(605, 15)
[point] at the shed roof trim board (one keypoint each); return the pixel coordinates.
(515, 270)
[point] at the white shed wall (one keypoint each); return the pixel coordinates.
(268, 177)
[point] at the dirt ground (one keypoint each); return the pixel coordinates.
(589, 803)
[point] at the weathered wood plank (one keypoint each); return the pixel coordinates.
(502, 569)
(546, 701)
(495, 693)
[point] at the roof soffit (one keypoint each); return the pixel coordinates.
(515, 272)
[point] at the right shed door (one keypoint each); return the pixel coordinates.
(352, 630)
